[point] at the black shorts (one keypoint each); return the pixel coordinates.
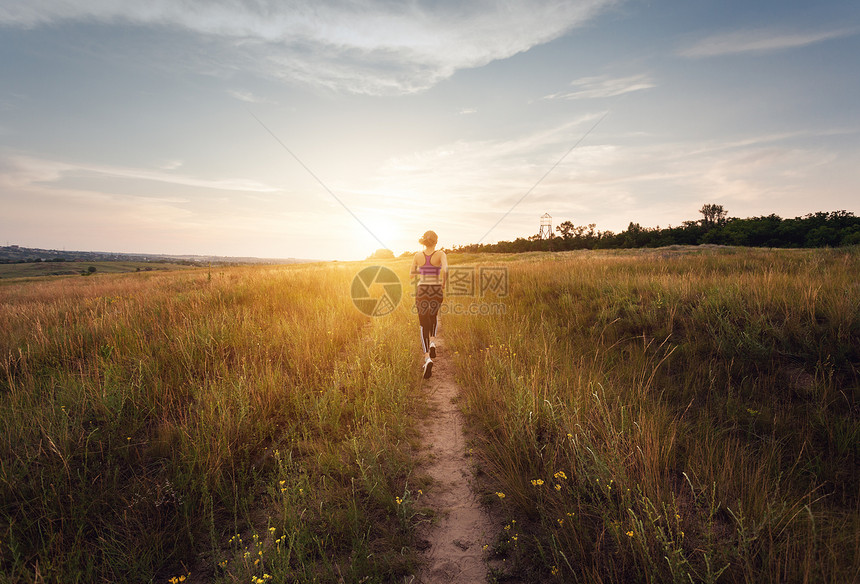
(428, 299)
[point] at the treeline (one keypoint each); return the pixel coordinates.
(837, 228)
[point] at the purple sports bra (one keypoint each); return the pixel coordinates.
(429, 269)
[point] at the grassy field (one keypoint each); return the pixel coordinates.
(38, 269)
(168, 425)
(666, 416)
(659, 416)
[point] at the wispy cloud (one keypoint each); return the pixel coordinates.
(20, 171)
(604, 86)
(760, 40)
(248, 97)
(606, 180)
(374, 46)
(468, 110)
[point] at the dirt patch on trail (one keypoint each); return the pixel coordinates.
(454, 542)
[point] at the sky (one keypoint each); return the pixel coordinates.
(328, 129)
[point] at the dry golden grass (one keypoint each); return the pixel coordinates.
(659, 416)
(702, 407)
(141, 415)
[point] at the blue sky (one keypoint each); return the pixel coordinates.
(131, 126)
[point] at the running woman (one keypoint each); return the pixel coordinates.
(431, 267)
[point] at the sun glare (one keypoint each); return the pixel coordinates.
(385, 229)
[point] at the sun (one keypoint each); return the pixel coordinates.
(385, 230)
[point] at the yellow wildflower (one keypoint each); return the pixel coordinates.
(500, 495)
(630, 534)
(537, 482)
(560, 521)
(555, 570)
(557, 487)
(560, 475)
(398, 499)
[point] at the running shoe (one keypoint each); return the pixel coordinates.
(432, 350)
(428, 368)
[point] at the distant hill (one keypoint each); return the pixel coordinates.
(11, 254)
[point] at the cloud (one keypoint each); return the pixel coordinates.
(468, 110)
(759, 40)
(475, 170)
(248, 97)
(171, 165)
(603, 86)
(464, 187)
(370, 46)
(468, 185)
(20, 171)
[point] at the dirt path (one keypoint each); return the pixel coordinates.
(462, 527)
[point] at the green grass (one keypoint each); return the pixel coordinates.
(147, 419)
(671, 416)
(40, 269)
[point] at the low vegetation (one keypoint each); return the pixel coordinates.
(70, 268)
(822, 229)
(667, 415)
(671, 417)
(247, 425)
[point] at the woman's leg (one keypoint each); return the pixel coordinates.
(425, 327)
(435, 305)
(422, 304)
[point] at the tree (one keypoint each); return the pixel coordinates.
(713, 215)
(381, 254)
(566, 229)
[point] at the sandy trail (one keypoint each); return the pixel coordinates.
(462, 527)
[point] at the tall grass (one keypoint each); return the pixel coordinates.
(154, 426)
(672, 417)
